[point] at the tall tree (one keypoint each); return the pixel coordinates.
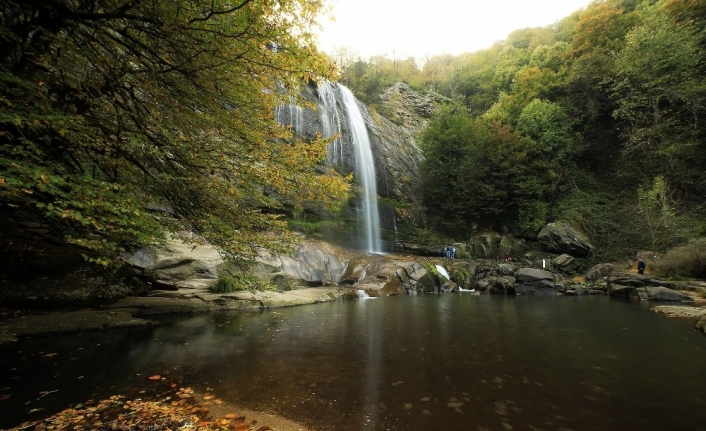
(109, 107)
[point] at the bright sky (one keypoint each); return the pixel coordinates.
(419, 28)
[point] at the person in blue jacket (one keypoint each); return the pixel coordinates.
(641, 266)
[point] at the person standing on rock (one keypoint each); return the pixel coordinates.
(641, 266)
(452, 252)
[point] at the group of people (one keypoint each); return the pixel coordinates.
(449, 252)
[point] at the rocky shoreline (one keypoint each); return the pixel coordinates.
(180, 274)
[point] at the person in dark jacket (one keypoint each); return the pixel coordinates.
(641, 266)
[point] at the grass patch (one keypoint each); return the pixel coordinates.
(685, 261)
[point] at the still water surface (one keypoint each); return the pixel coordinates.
(401, 363)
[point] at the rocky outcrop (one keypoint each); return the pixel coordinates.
(183, 262)
(562, 238)
(530, 281)
(409, 247)
(599, 271)
(644, 288)
(565, 263)
(311, 261)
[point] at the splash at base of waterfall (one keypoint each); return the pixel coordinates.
(362, 294)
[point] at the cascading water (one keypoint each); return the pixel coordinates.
(365, 170)
(443, 272)
(330, 120)
(292, 115)
(343, 148)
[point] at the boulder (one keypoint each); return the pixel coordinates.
(562, 238)
(530, 281)
(599, 271)
(565, 263)
(657, 293)
(312, 260)
(184, 261)
(499, 285)
(644, 288)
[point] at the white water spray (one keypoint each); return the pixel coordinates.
(443, 272)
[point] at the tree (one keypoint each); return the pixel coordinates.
(111, 107)
(659, 92)
(479, 173)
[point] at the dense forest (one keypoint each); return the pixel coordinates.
(597, 120)
(121, 120)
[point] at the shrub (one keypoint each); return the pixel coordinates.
(225, 284)
(461, 277)
(239, 283)
(685, 261)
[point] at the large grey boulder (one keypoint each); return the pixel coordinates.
(183, 261)
(562, 238)
(530, 281)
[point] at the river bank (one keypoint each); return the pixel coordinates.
(150, 310)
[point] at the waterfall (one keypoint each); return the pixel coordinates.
(330, 120)
(292, 115)
(350, 149)
(443, 271)
(365, 171)
(362, 293)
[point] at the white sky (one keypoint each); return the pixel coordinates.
(418, 28)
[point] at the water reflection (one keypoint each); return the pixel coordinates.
(410, 363)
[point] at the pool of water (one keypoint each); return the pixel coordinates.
(400, 363)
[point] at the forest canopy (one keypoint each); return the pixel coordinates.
(597, 120)
(123, 119)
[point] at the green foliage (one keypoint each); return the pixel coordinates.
(226, 284)
(107, 110)
(461, 276)
(684, 261)
(462, 254)
(478, 172)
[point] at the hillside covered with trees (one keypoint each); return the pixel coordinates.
(597, 120)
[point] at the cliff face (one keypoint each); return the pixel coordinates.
(393, 141)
